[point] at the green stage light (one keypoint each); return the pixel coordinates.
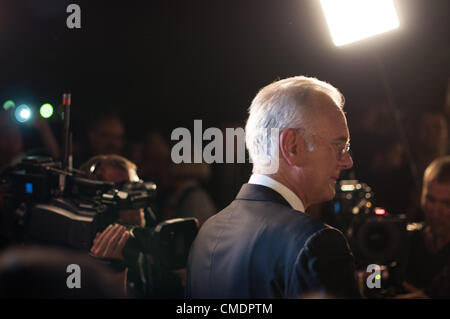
(9, 105)
(46, 110)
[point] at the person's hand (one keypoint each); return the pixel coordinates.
(110, 243)
(413, 293)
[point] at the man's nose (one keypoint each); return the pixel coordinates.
(346, 161)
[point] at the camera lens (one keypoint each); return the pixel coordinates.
(379, 239)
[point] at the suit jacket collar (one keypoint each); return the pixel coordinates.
(261, 193)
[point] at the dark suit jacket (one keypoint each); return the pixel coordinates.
(259, 247)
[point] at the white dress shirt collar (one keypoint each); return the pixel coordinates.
(287, 194)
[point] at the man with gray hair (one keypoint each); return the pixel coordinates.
(264, 245)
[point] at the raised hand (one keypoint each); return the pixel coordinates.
(110, 243)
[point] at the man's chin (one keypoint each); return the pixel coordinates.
(327, 196)
(331, 192)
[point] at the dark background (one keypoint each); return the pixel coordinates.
(164, 63)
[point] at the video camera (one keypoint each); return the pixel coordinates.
(50, 202)
(375, 236)
(45, 214)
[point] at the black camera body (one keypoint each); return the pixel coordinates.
(379, 239)
(375, 236)
(64, 208)
(48, 202)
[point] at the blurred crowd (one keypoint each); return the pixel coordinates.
(382, 160)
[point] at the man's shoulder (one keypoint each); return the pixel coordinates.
(311, 231)
(272, 218)
(263, 209)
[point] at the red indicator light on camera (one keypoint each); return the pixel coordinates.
(380, 211)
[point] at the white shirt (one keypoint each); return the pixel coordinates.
(287, 194)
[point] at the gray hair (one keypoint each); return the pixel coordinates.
(283, 104)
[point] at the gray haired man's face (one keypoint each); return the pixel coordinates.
(322, 167)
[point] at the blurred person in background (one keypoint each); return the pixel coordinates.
(105, 136)
(13, 141)
(116, 169)
(140, 266)
(429, 141)
(13, 148)
(227, 178)
(389, 175)
(180, 191)
(372, 123)
(428, 271)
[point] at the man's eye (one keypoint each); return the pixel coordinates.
(340, 147)
(430, 200)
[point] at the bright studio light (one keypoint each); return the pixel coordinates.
(22, 113)
(354, 20)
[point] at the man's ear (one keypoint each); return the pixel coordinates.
(291, 146)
